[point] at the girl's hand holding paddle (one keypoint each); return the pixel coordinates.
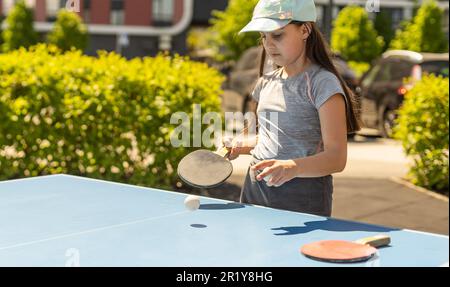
(238, 146)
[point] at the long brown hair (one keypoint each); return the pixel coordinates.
(318, 52)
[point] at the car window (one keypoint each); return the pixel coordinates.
(400, 70)
(370, 76)
(435, 67)
(385, 72)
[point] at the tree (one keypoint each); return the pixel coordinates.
(354, 36)
(383, 25)
(424, 33)
(1, 23)
(69, 32)
(20, 31)
(226, 26)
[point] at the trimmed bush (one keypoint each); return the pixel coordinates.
(423, 125)
(19, 31)
(383, 25)
(102, 117)
(69, 32)
(226, 26)
(424, 33)
(354, 36)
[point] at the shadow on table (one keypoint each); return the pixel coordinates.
(226, 191)
(219, 206)
(331, 225)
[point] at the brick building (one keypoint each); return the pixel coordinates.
(132, 27)
(143, 27)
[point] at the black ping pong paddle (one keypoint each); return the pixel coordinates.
(207, 169)
(204, 168)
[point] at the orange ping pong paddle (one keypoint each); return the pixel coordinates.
(341, 251)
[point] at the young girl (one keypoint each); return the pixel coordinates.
(305, 111)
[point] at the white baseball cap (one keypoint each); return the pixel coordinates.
(271, 15)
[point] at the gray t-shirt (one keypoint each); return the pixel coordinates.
(288, 116)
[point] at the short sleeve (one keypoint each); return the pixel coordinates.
(257, 89)
(324, 87)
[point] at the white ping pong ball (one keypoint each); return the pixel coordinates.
(192, 202)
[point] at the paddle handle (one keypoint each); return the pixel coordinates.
(223, 152)
(375, 241)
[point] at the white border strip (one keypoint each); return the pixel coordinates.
(30, 178)
(44, 177)
(427, 233)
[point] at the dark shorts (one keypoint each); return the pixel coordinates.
(306, 195)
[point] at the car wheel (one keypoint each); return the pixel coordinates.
(387, 122)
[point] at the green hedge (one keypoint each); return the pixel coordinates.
(423, 125)
(102, 117)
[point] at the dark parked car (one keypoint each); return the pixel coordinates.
(244, 74)
(382, 88)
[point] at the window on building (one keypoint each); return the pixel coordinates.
(7, 5)
(87, 11)
(163, 12)
(445, 19)
(53, 7)
(397, 17)
(117, 12)
(31, 3)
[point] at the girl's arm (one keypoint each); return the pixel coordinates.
(334, 157)
(334, 134)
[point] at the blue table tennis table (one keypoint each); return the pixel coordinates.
(63, 220)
